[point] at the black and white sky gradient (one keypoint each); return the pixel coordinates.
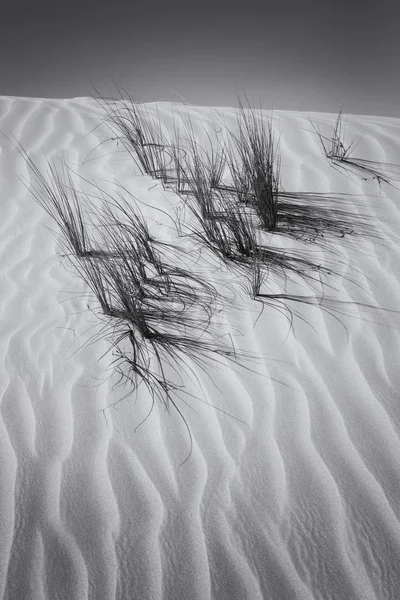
(288, 54)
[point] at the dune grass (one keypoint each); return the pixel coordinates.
(223, 226)
(254, 163)
(227, 216)
(156, 315)
(338, 151)
(341, 156)
(232, 216)
(192, 160)
(55, 192)
(140, 134)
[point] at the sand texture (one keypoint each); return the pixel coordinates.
(292, 487)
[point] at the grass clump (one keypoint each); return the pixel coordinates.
(254, 164)
(141, 134)
(192, 160)
(157, 315)
(341, 156)
(226, 219)
(55, 192)
(223, 226)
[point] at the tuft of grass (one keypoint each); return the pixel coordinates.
(227, 230)
(126, 234)
(55, 192)
(338, 151)
(230, 227)
(140, 134)
(223, 225)
(254, 163)
(157, 315)
(341, 156)
(192, 160)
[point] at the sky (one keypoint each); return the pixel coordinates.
(284, 54)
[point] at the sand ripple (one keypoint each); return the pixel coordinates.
(293, 496)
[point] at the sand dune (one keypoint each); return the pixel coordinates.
(292, 495)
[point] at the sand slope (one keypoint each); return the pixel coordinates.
(298, 497)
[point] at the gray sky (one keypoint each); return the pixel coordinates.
(288, 54)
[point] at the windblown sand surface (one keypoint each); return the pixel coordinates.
(295, 494)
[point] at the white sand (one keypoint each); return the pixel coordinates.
(296, 498)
